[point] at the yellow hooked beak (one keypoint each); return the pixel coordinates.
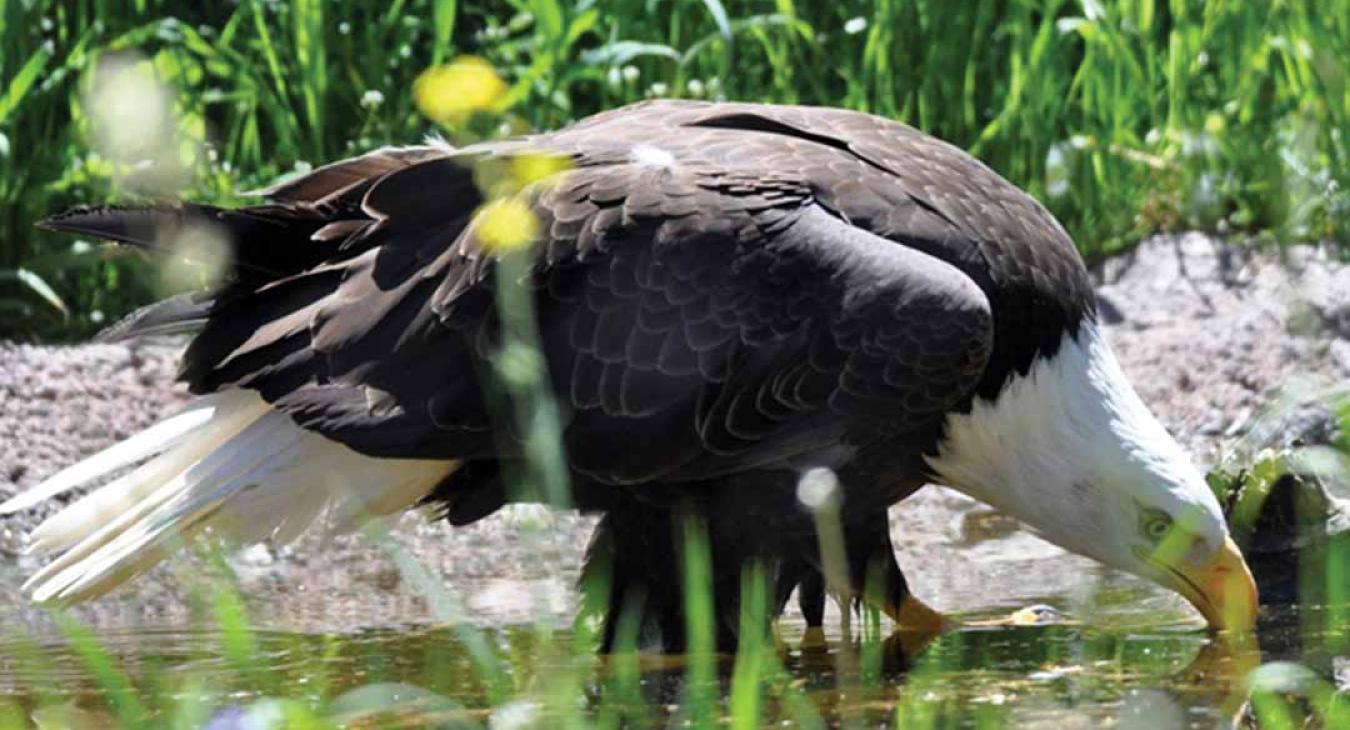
(1222, 590)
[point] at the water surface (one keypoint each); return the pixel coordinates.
(1134, 668)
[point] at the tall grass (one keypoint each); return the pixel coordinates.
(1125, 117)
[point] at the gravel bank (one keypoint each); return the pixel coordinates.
(1208, 333)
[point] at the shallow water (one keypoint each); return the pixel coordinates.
(1123, 669)
(1128, 653)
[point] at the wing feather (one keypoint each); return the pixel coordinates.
(696, 319)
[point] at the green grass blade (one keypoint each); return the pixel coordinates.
(700, 683)
(443, 14)
(103, 667)
(22, 83)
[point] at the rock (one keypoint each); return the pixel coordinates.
(256, 555)
(1306, 423)
(1340, 357)
(1284, 509)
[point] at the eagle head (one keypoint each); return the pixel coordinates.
(1069, 448)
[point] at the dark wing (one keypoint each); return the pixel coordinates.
(901, 184)
(695, 319)
(720, 320)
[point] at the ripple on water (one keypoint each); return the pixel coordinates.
(1120, 668)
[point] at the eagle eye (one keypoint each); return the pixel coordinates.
(1155, 524)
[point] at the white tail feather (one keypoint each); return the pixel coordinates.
(149, 442)
(126, 496)
(242, 472)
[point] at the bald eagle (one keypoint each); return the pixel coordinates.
(729, 297)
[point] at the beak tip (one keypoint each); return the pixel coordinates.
(1229, 591)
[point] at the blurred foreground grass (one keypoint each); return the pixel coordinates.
(1124, 117)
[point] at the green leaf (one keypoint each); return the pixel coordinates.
(23, 81)
(443, 22)
(719, 14)
(741, 25)
(548, 14)
(621, 52)
(580, 25)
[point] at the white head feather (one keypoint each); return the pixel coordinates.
(1071, 450)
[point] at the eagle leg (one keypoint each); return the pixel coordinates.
(634, 567)
(634, 562)
(875, 578)
(878, 580)
(811, 599)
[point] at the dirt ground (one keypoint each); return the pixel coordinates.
(1209, 333)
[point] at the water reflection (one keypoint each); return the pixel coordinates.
(1022, 675)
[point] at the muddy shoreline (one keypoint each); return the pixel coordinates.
(1208, 332)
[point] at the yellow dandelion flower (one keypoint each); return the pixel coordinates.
(500, 177)
(451, 93)
(536, 167)
(506, 224)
